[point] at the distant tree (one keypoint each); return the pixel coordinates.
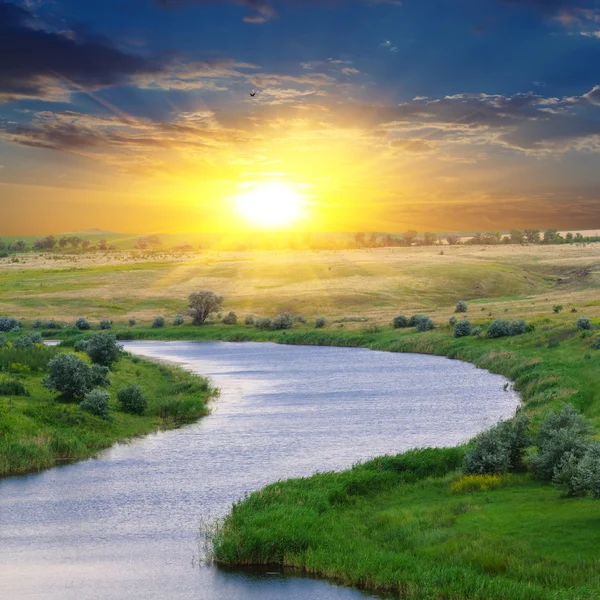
(148, 242)
(230, 319)
(45, 243)
(103, 244)
(85, 244)
(19, 246)
(201, 304)
(461, 307)
(569, 238)
(517, 236)
(532, 235)
(551, 236)
(62, 242)
(360, 238)
(453, 239)
(178, 320)
(158, 322)
(410, 236)
(429, 238)
(373, 241)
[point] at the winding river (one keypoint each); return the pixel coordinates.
(126, 525)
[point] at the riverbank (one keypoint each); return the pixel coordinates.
(39, 431)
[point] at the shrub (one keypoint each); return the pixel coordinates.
(499, 449)
(476, 331)
(412, 322)
(517, 327)
(132, 400)
(52, 324)
(452, 321)
(201, 304)
(578, 475)
(400, 322)
(557, 308)
(230, 319)
(371, 328)
(262, 323)
(82, 324)
(9, 324)
(299, 319)
(28, 340)
(462, 329)
(158, 322)
(249, 320)
(584, 323)
(479, 483)
(3, 340)
(132, 321)
(282, 321)
(596, 343)
(560, 433)
(573, 310)
(96, 403)
(106, 324)
(178, 320)
(10, 387)
(425, 324)
(103, 349)
(320, 322)
(461, 307)
(37, 324)
(73, 377)
(503, 328)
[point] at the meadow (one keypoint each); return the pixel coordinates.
(406, 524)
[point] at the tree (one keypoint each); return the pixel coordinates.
(569, 237)
(429, 238)
(453, 239)
(62, 242)
(102, 245)
(19, 246)
(359, 238)
(517, 236)
(103, 349)
(551, 236)
(410, 236)
(201, 304)
(72, 377)
(85, 244)
(532, 235)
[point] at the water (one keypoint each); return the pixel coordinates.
(125, 525)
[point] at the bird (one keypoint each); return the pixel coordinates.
(252, 94)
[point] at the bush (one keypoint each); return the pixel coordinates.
(282, 321)
(28, 340)
(299, 319)
(73, 377)
(499, 449)
(560, 433)
(8, 324)
(461, 307)
(178, 320)
(37, 324)
(596, 344)
(132, 400)
(158, 322)
(400, 322)
(462, 329)
(476, 331)
(201, 304)
(132, 321)
(3, 340)
(262, 323)
(106, 324)
(320, 322)
(371, 328)
(425, 324)
(103, 349)
(11, 387)
(82, 324)
(412, 322)
(452, 321)
(503, 328)
(584, 323)
(96, 403)
(249, 320)
(230, 319)
(52, 325)
(557, 308)
(579, 475)
(479, 483)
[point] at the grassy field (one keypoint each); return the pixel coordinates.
(41, 430)
(382, 526)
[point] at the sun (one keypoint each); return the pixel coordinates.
(271, 205)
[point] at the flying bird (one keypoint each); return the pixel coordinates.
(252, 94)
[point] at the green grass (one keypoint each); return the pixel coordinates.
(39, 431)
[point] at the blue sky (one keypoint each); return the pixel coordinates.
(433, 114)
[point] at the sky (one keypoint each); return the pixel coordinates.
(381, 115)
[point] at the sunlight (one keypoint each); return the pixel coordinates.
(271, 205)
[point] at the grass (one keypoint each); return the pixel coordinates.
(39, 430)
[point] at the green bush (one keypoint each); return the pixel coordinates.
(282, 321)
(557, 308)
(106, 324)
(37, 324)
(262, 323)
(178, 320)
(158, 322)
(29, 340)
(596, 344)
(320, 322)
(96, 403)
(584, 323)
(452, 321)
(517, 327)
(73, 377)
(412, 322)
(8, 324)
(10, 387)
(560, 433)
(52, 324)
(132, 321)
(476, 331)
(462, 329)
(3, 340)
(230, 319)
(499, 449)
(400, 322)
(504, 328)
(249, 320)
(578, 475)
(299, 319)
(103, 349)
(82, 324)
(425, 324)
(132, 400)
(371, 328)
(461, 307)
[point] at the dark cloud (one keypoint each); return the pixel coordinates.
(36, 62)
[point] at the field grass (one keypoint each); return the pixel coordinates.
(39, 430)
